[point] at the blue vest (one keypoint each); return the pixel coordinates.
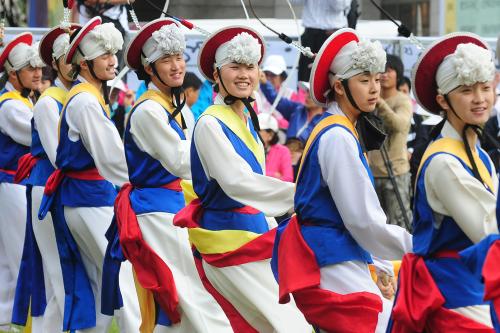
(217, 204)
(10, 151)
(73, 156)
(325, 232)
(147, 175)
(455, 281)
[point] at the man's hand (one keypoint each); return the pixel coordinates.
(262, 77)
(386, 285)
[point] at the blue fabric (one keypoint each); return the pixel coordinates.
(294, 112)
(40, 172)
(10, 152)
(205, 99)
(30, 289)
(111, 298)
(217, 204)
(325, 232)
(274, 259)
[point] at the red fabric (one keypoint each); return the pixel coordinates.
(491, 275)
(25, 164)
(418, 296)
(174, 186)
(9, 172)
(57, 177)
(238, 323)
(350, 313)
(261, 248)
(447, 254)
(152, 272)
(297, 265)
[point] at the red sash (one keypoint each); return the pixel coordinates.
(57, 177)
(152, 272)
(419, 305)
(260, 248)
(25, 164)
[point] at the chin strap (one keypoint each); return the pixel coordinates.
(247, 101)
(178, 103)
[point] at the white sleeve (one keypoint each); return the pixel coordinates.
(46, 116)
(99, 136)
(151, 131)
(452, 191)
(221, 162)
(356, 199)
(15, 121)
(384, 266)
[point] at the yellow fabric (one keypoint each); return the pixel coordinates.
(147, 307)
(457, 148)
(162, 99)
(14, 94)
(222, 241)
(225, 114)
(328, 121)
(188, 191)
(56, 93)
(79, 88)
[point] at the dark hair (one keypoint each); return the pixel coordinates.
(49, 74)
(406, 80)
(275, 139)
(394, 62)
(191, 80)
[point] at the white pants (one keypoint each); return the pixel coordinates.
(12, 229)
(52, 319)
(351, 277)
(88, 226)
(199, 310)
(253, 291)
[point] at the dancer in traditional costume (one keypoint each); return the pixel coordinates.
(227, 224)
(322, 254)
(90, 162)
(158, 158)
(19, 62)
(40, 283)
(455, 195)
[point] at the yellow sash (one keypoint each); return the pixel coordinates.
(56, 93)
(221, 241)
(237, 126)
(324, 123)
(14, 94)
(162, 99)
(457, 148)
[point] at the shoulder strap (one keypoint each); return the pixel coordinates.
(324, 123)
(14, 94)
(162, 99)
(226, 115)
(56, 93)
(457, 149)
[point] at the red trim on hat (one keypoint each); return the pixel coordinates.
(82, 33)
(424, 83)
(25, 37)
(319, 74)
(206, 56)
(134, 49)
(47, 43)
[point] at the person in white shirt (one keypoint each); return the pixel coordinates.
(17, 60)
(320, 19)
(90, 162)
(339, 226)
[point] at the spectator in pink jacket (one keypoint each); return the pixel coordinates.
(278, 158)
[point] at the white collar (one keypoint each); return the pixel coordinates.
(449, 131)
(152, 86)
(59, 84)
(9, 86)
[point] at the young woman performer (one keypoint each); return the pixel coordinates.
(227, 224)
(455, 195)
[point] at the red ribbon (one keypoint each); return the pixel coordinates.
(57, 177)
(152, 272)
(25, 165)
